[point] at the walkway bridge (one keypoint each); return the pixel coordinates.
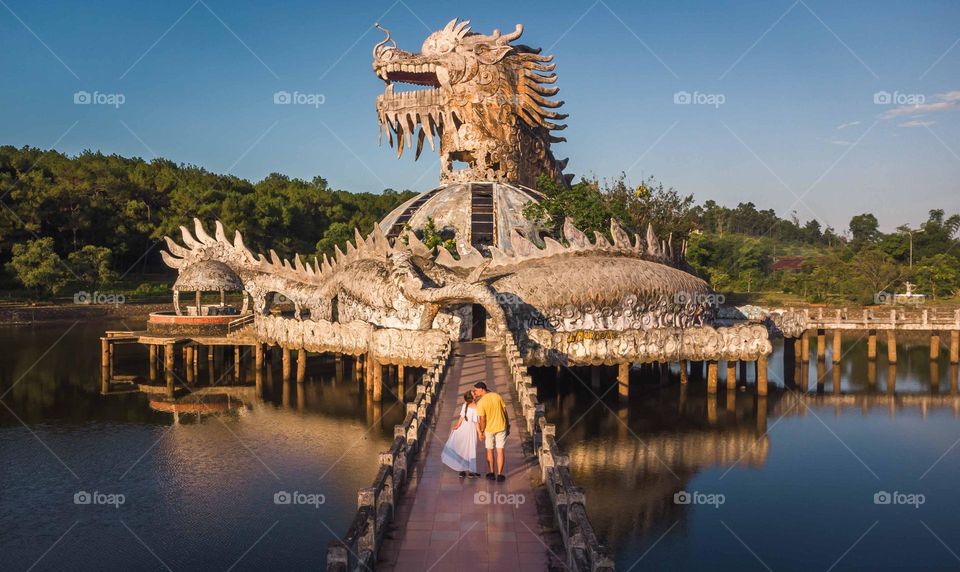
(419, 515)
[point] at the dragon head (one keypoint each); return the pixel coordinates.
(485, 98)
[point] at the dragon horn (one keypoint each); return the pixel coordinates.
(507, 38)
(379, 47)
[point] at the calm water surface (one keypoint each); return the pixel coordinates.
(199, 492)
(797, 482)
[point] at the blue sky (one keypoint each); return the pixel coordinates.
(798, 128)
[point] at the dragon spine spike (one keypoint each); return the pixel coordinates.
(522, 247)
(445, 258)
(188, 239)
(298, 264)
(275, 259)
(574, 235)
(175, 249)
(653, 244)
(170, 261)
(201, 233)
(600, 241)
(620, 237)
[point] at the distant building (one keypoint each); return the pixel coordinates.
(788, 264)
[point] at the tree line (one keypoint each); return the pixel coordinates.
(93, 219)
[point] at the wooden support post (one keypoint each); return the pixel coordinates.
(377, 382)
(731, 375)
(743, 372)
(623, 380)
(152, 363)
(401, 375)
(891, 346)
(258, 368)
(168, 357)
(762, 375)
(286, 364)
(188, 362)
(954, 346)
(805, 348)
(237, 354)
(872, 345)
(368, 367)
(934, 345)
(837, 352)
(211, 365)
(301, 365)
(821, 345)
(683, 372)
(712, 377)
(105, 364)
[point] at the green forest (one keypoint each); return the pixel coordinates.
(95, 221)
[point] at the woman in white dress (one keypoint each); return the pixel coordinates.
(460, 451)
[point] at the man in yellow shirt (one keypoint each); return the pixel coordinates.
(493, 426)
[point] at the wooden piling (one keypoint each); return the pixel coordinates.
(712, 377)
(168, 360)
(258, 368)
(821, 345)
(237, 355)
(891, 346)
(401, 379)
(762, 376)
(152, 363)
(377, 382)
(805, 348)
(954, 346)
(105, 365)
(872, 345)
(683, 372)
(623, 380)
(301, 366)
(286, 364)
(188, 362)
(731, 375)
(934, 345)
(836, 353)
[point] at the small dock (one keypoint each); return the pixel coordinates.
(448, 523)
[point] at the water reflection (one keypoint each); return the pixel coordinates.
(814, 451)
(199, 469)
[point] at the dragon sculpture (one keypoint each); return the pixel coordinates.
(486, 99)
(566, 299)
(630, 287)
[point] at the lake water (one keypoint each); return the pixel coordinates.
(789, 489)
(198, 493)
(780, 485)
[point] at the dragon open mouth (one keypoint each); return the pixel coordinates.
(416, 74)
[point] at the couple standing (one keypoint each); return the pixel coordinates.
(482, 417)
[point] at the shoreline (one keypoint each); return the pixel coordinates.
(25, 314)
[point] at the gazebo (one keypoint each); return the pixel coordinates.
(209, 276)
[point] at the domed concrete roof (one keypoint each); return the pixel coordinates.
(208, 276)
(478, 214)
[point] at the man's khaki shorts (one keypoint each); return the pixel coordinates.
(498, 439)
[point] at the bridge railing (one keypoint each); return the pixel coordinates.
(926, 317)
(238, 324)
(584, 551)
(358, 549)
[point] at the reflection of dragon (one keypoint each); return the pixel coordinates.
(487, 100)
